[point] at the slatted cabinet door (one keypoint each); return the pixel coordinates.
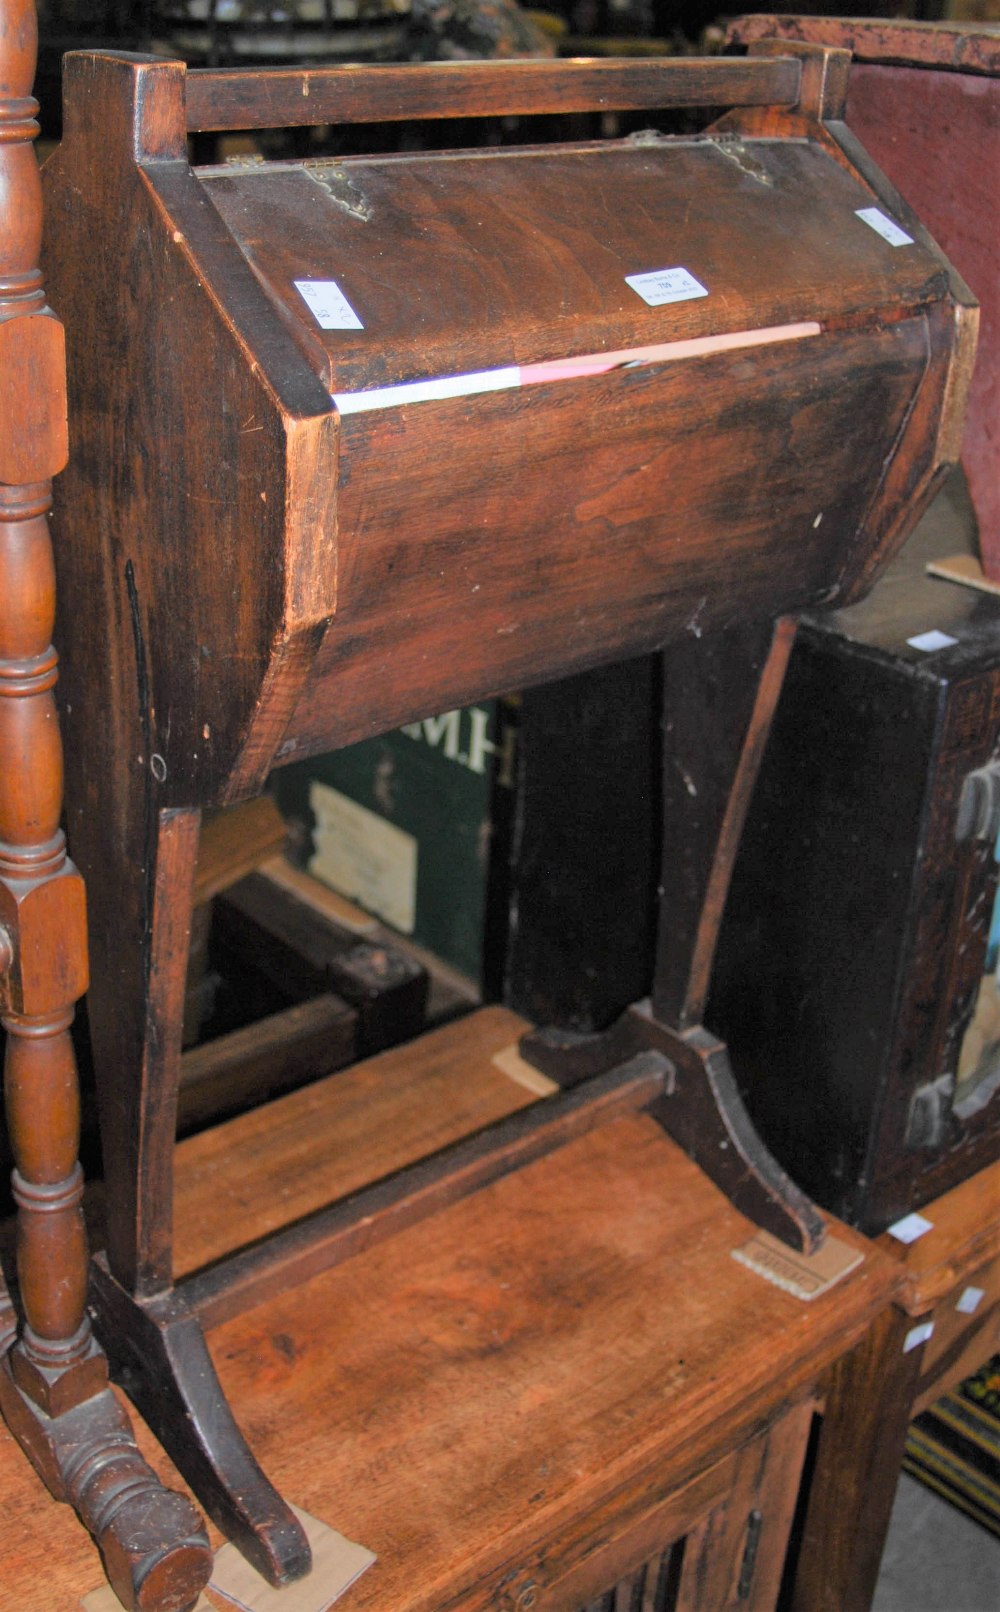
(716, 1546)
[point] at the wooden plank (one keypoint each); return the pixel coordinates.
(558, 1351)
(965, 47)
(265, 1059)
(234, 842)
(258, 925)
(547, 1371)
(230, 99)
(288, 1258)
(868, 1403)
(242, 1180)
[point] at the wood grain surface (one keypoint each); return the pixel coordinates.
(235, 100)
(965, 47)
(534, 1370)
(925, 100)
(964, 1234)
(267, 1168)
(255, 579)
(568, 1337)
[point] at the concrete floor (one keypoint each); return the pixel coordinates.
(936, 1559)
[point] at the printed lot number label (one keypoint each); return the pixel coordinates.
(666, 285)
(330, 307)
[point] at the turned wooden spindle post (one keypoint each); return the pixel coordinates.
(53, 1382)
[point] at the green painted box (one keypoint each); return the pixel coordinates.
(414, 827)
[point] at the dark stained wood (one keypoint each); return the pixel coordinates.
(719, 697)
(702, 1109)
(580, 917)
(337, 217)
(160, 1355)
(533, 599)
(229, 99)
(258, 1063)
(293, 944)
(712, 747)
(924, 98)
(231, 844)
(854, 942)
(265, 575)
(53, 1376)
(961, 47)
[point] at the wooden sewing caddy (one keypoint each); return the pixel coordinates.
(257, 562)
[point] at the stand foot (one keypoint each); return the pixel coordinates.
(158, 1353)
(154, 1548)
(702, 1110)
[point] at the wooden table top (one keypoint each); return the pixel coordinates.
(574, 1337)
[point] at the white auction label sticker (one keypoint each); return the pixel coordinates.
(918, 1335)
(883, 225)
(666, 285)
(328, 303)
(910, 1228)
(928, 642)
(971, 1299)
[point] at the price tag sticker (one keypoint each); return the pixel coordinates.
(971, 1299)
(928, 642)
(666, 285)
(918, 1335)
(329, 305)
(883, 225)
(910, 1228)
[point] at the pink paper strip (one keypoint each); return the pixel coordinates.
(564, 369)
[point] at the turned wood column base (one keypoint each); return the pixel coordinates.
(154, 1549)
(702, 1110)
(55, 1389)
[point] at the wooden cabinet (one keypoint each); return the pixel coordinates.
(934, 1335)
(556, 1392)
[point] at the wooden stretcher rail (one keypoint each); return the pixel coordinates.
(315, 1243)
(283, 98)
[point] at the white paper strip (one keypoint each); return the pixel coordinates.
(381, 397)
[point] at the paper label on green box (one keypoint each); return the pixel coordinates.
(365, 857)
